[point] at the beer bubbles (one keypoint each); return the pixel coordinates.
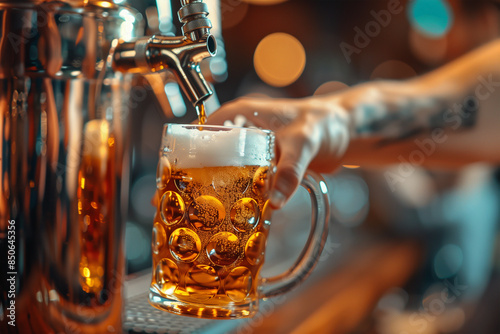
(206, 213)
(223, 248)
(185, 245)
(245, 214)
(260, 183)
(209, 233)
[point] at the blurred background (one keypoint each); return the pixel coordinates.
(421, 258)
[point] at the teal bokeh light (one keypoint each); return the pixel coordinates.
(432, 18)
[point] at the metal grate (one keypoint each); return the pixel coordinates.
(141, 317)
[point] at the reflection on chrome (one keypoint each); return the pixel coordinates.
(64, 131)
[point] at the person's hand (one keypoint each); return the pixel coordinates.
(310, 133)
(314, 133)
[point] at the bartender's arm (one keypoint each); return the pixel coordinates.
(446, 118)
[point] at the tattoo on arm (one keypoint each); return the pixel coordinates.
(399, 124)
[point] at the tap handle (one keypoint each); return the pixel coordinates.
(193, 15)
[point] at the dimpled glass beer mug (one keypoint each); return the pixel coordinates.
(213, 219)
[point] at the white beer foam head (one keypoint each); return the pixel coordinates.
(191, 146)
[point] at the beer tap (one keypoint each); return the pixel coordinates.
(180, 54)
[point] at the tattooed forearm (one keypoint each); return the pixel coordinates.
(396, 123)
(385, 122)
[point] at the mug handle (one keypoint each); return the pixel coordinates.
(308, 258)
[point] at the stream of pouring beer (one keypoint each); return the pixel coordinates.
(201, 111)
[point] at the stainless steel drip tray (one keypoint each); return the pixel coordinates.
(141, 317)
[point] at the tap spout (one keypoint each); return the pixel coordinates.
(179, 54)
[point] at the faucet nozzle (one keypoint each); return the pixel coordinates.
(180, 54)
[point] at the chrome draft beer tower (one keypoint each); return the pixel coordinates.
(66, 70)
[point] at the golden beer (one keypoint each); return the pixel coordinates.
(96, 192)
(209, 237)
(212, 222)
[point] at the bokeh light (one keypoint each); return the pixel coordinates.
(279, 59)
(431, 51)
(330, 87)
(351, 166)
(137, 244)
(175, 99)
(232, 13)
(452, 321)
(393, 69)
(349, 196)
(394, 300)
(448, 261)
(140, 196)
(433, 18)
